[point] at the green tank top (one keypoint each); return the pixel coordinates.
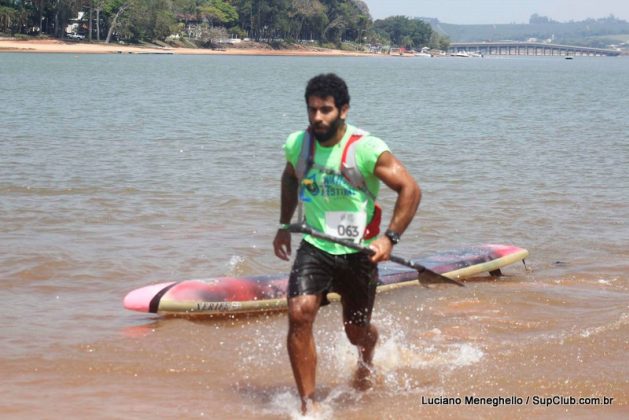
(331, 204)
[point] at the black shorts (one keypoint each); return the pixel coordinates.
(353, 276)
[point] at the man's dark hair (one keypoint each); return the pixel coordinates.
(325, 85)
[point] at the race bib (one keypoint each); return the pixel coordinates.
(346, 225)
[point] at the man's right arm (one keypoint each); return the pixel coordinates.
(289, 201)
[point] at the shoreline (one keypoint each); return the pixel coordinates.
(12, 45)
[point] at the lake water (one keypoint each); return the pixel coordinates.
(117, 171)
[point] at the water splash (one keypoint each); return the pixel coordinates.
(288, 404)
(235, 262)
(399, 360)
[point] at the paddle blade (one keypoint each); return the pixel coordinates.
(427, 277)
(424, 275)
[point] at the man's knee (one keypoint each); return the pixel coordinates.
(302, 311)
(361, 335)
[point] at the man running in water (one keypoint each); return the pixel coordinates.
(335, 170)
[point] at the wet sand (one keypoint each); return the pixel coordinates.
(73, 47)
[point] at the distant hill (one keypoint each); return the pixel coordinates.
(599, 33)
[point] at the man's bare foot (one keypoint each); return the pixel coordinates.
(364, 377)
(309, 406)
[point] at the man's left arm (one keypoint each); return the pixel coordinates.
(391, 171)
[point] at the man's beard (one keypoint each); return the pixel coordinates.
(330, 132)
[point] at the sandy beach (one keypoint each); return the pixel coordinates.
(73, 47)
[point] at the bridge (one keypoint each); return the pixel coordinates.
(527, 48)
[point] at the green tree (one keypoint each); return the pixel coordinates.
(135, 20)
(115, 9)
(405, 32)
(218, 12)
(11, 17)
(438, 41)
(348, 20)
(306, 17)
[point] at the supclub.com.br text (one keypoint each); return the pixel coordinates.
(515, 400)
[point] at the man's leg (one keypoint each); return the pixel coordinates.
(358, 296)
(365, 338)
(302, 311)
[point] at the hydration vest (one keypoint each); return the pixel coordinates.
(348, 170)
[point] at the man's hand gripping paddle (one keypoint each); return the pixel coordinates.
(426, 276)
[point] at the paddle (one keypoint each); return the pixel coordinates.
(426, 276)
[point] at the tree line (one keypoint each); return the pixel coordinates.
(322, 21)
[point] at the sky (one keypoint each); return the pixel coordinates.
(499, 11)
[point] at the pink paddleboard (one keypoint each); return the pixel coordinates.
(228, 295)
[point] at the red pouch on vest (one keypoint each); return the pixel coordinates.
(373, 228)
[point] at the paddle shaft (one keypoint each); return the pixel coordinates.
(304, 228)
